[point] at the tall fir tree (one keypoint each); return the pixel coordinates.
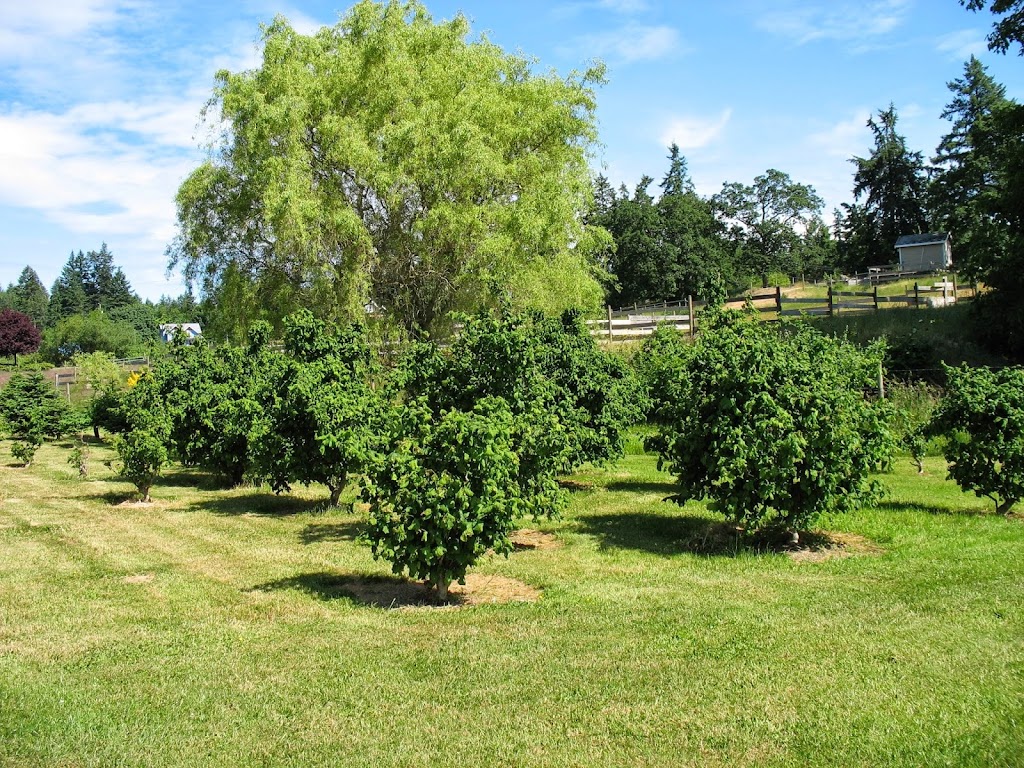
(30, 297)
(965, 175)
(892, 181)
(106, 286)
(67, 297)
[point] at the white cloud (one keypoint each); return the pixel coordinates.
(844, 139)
(694, 132)
(844, 21)
(100, 170)
(49, 28)
(624, 6)
(963, 44)
(634, 42)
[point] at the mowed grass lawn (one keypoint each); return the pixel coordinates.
(213, 628)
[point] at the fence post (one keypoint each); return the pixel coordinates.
(830, 311)
(609, 322)
(876, 297)
(778, 299)
(917, 296)
(955, 297)
(881, 381)
(693, 320)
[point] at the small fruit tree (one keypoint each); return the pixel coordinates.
(599, 392)
(18, 334)
(444, 491)
(322, 419)
(32, 411)
(142, 449)
(214, 398)
(982, 417)
(569, 400)
(772, 425)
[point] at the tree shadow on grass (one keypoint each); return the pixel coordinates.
(663, 488)
(664, 534)
(321, 533)
(374, 591)
(936, 509)
(695, 535)
(260, 505)
(191, 478)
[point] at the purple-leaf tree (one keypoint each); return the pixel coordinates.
(18, 334)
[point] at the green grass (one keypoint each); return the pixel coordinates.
(208, 629)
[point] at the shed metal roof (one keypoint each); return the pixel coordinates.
(929, 238)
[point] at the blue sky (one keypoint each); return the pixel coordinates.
(100, 99)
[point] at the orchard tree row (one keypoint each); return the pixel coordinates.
(449, 446)
(773, 425)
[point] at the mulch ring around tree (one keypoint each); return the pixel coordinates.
(479, 589)
(819, 546)
(528, 538)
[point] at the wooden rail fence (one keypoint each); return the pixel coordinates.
(639, 321)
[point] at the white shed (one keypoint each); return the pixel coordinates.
(925, 253)
(169, 330)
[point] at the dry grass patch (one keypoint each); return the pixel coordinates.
(822, 546)
(528, 538)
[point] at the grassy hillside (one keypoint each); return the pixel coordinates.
(226, 628)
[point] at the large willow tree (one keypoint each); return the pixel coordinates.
(392, 159)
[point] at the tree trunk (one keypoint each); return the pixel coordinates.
(96, 431)
(442, 590)
(1003, 507)
(337, 487)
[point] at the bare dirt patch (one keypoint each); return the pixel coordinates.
(139, 578)
(479, 589)
(136, 503)
(395, 592)
(528, 538)
(831, 546)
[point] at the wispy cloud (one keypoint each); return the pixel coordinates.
(25, 24)
(691, 132)
(963, 44)
(624, 6)
(844, 139)
(98, 169)
(842, 20)
(634, 42)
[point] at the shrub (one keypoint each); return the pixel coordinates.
(142, 450)
(771, 424)
(214, 399)
(323, 418)
(601, 394)
(443, 494)
(661, 360)
(912, 409)
(31, 411)
(107, 382)
(982, 418)
(569, 400)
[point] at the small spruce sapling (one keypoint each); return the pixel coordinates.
(31, 411)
